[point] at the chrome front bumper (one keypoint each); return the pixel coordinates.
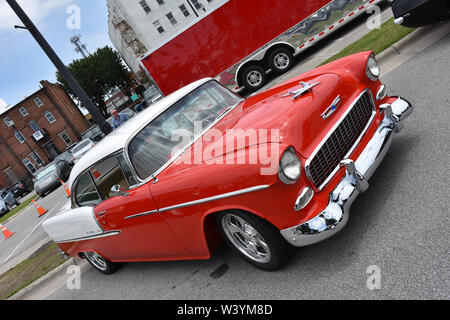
(335, 216)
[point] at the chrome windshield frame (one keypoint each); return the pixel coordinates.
(182, 151)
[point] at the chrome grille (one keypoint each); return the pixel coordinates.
(341, 142)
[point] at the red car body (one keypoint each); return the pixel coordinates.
(172, 217)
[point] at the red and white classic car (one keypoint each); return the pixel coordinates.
(277, 170)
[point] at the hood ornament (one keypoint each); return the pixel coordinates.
(306, 87)
(332, 109)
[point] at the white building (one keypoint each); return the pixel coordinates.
(139, 27)
(4, 106)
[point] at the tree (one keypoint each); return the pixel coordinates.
(99, 74)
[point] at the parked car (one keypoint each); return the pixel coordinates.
(94, 133)
(19, 190)
(141, 195)
(49, 178)
(7, 197)
(65, 158)
(417, 13)
(81, 148)
(152, 95)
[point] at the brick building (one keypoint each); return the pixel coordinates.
(36, 130)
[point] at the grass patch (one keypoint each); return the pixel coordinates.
(39, 264)
(17, 209)
(376, 40)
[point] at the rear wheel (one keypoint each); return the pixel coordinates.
(254, 77)
(281, 60)
(256, 240)
(100, 263)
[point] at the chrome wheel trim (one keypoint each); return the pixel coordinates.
(254, 78)
(281, 61)
(97, 260)
(246, 239)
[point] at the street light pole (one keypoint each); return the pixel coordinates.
(71, 81)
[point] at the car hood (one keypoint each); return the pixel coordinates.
(279, 118)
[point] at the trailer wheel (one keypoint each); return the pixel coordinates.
(281, 60)
(254, 77)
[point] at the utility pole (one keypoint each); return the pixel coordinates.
(71, 81)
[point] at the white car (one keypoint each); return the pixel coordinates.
(81, 148)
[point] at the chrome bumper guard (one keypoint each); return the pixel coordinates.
(335, 216)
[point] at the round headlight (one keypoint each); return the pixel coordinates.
(373, 69)
(290, 167)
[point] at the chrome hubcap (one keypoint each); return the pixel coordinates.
(254, 78)
(246, 239)
(281, 61)
(95, 259)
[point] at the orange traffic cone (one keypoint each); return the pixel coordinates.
(66, 188)
(41, 211)
(6, 233)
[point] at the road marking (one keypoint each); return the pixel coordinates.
(34, 229)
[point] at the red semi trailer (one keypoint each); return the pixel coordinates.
(241, 41)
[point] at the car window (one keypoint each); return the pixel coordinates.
(85, 192)
(107, 174)
(46, 171)
(127, 170)
(178, 126)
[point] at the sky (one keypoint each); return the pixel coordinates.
(23, 64)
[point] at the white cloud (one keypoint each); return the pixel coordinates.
(37, 10)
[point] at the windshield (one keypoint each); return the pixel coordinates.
(179, 126)
(80, 146)
(46, 171)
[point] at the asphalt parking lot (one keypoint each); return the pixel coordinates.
(399, 226)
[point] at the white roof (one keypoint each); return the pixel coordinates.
(116, 140)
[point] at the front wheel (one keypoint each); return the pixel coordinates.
(101, 264)
(256, 240)
(254, 77)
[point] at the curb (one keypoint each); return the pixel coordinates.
(411, 45)
(58, 272)
(21, 211)
(42, 279)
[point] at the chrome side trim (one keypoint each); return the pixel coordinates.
(98, 236)
(218, 197)
(308, 162)
(141, 214)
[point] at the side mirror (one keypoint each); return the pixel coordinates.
(117, 191)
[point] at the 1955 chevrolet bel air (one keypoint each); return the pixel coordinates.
(277, 170)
